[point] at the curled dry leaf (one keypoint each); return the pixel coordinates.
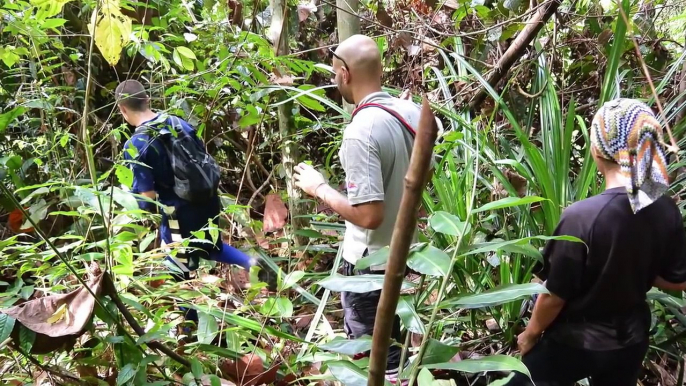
(305, 10)
(284, 80)
(275, 213)
(249, 371)
(57, 320)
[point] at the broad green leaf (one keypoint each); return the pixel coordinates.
(380, 257)
(508, 202)
(347, 346)
(437, 352)
(214, 380)
(408, 314)
(525, 249)
(196, 368)
(186, 53)
(494, 246)
(500, 295)
(8, 117)
(126, 374)
(425, 378)
(26, 338)
(6, 326)
(664, 298)
(291, 279)
(446, 223)
(207, 328)
(281, 307)
(53, 23)
(489, 363)
(124, 175)
(357, 284)
(429, 260)
(125, 199)
(347, 373)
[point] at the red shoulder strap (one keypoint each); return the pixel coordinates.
(390, 111)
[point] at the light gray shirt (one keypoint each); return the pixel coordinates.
(375, 155)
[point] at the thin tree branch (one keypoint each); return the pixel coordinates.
(514, 52)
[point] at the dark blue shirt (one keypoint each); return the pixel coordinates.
(153, 172)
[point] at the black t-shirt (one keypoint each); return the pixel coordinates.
(604, 281)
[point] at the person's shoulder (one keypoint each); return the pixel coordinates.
(668, 206)
(586, 209)
(360, 127)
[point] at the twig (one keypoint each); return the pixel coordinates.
(682, 90)
(59, 373)
(674, 148)
(514, 52)
(405, 225)
(108, 288)
(532, 96)
(264, 185)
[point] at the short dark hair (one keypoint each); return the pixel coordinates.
(131, 94)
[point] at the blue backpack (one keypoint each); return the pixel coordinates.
(196, 173)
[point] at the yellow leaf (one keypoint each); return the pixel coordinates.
(112, 30)
(59, 314)
(48, 8)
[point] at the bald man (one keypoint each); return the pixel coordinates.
(375, 154)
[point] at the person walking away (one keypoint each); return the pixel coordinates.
(375, 155)
(595, 321)
(173, 167)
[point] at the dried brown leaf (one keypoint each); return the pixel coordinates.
(275, 213)
(384, 18)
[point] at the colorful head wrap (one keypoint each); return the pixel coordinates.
(626, 131)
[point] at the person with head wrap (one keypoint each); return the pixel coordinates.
(595, 321)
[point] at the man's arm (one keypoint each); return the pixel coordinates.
(668, 286)
(565, 261)
(143, 178)
(367, 215)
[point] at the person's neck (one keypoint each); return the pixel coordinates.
(142, 117)
(613, 180)
(365, 92)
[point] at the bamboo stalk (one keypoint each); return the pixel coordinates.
(405, 226)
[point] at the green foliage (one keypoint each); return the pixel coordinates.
(504, 178)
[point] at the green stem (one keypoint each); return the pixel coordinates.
(446, 277)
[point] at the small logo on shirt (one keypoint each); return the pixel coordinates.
(351, 185)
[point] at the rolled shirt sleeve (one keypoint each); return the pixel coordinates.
(362, 166)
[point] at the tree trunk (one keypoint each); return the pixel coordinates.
(290, 154)
(348, 24)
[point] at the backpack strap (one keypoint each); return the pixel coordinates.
(390, 111)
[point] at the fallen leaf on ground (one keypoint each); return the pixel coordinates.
(275, 213)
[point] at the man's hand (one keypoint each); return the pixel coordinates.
(308, 178)
(526, 341)
(406, 95)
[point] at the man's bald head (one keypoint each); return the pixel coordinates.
(362, 55)
(361, 59)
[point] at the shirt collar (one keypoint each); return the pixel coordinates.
(374, 95)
